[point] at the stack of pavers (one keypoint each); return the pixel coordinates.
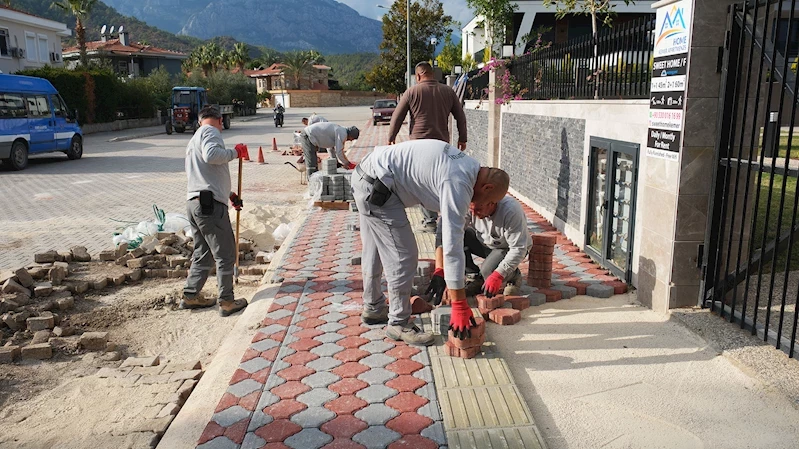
(539, 273)
(335, 185)
(468, 347)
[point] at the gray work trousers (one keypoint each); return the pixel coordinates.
(309, 151)
(430, 216)
(213, 241)
(473, 246)
(388, 244)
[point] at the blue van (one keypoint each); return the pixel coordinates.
(35, 119)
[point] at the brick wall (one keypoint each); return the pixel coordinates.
(332, 98)
(477, 127)
(544, 157)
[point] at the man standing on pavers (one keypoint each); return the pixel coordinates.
(208, 193)
(439, 177)
(498, 233)
(326, 135)
(430, 104)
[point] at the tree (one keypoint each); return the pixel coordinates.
(497, 18)
(427, 21)
(296, 64)
(450, 55)
(468, 63)
(239, 56)
(80, 9)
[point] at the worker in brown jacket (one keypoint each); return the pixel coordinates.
(430, 104)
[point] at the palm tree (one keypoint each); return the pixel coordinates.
(80, 9)
(239, 56)
(296, 63)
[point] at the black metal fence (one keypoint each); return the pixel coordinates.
(616, 64)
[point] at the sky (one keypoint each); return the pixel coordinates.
(368, 8)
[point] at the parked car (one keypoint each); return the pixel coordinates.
(383, 110)
(35, 119)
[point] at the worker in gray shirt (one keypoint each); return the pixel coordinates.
(326, 135)
(208, 193)
(435, 175)
(312, 119)
(498, 233)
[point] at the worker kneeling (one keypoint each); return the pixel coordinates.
(498, 233)
(439, 177)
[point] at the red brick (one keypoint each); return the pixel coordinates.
(305, 344)
(490, 303)
(290, 390)
(352, 342)
(597, 272)
(250, 401)
(552, 295)
(347, 405)
(544, 240)
(477, 338)
(543, 250)
(271, 354)
(319, 295)
(402, 351)
(518, 302)
(536, 257)
(353, 331)
(237, 431)
(539, 283)
(228, 400)
(238, 376)
(406, 383)
(570, 248)
(341, 443)
(409, 423)
(468, 353)
(420, 306)
(540, 266)
(351, 369)
(351, 321)
(284, 409)
(261, 376)
(310, 323)
(278, 430)
(619, 287)
(406, 402)
(404, 366)
(505, 317)
(344, 426)
(581, 287)
(296, 372)
(300, 358)
(211, 431)
(318, 304)
(348, 386)
(351, 355)
(314, 313)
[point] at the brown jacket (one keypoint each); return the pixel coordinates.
(430, 104)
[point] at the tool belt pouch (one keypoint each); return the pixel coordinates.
(380, 194)
(207, 202)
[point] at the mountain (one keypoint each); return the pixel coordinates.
(324, 25)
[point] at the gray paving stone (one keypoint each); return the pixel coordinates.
(272, 329)
(252, 441)
(377, 376)
(376, 414)
(278, 314)
(273, 381)
(264, 345)
(432, 410)
(340, 289)
(559, 281)
(321, 379)
(376, 437)
(279, 365)
(330, 337)
(376, 394)
(219, 443)
(323, 364)
(338, 299)
(308, 439)
(427, 391)
(244, 388)
(291, 289)
(377, 347)
(231, 415)
(576, 269)
(327, 350)
(331, 327)
(313, 417)
(566, 292)
(317, 397)
(377, 360)
(333, 317)
(426, 374)
(374, 334)
(255, 364)
(422, 357)
(435, 432)
(285, 300)
(591, 281)
(537, 299)
(600, 291)
(567, 261)
(267, 399)
(258, 420)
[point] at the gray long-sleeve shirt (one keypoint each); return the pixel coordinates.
(439, 177)
(506, 229)
(316, 119)
(328, 135)
(206, 164)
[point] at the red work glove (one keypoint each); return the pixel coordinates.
(351, 166)
(461, 320)
(492, 285)
(437, 286)
(236, 201)
(241, 150)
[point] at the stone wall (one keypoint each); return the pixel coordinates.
(332, 98)
(120, 125)
(477, 127)
(544, 158)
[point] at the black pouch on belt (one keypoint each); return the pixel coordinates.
(380, 194)
(207, 202)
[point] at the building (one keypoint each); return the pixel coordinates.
(274, 79)
(533, 15)
(129, 59)
(28, 41)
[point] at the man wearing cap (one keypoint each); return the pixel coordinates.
(437, 176)
(208, 193)
(312, 119)
(326, 135)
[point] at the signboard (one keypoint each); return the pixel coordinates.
(669, 76)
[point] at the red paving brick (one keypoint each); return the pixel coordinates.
(351, 369)
(406, 383)
(284, 409)
(344, 426)
(290, 390)
(404, 366)
(347, 405)
(351, 355)
(348, 386)
(301, 358)
(278, 430)
(296, 372)
(352, 342)
(409, 423)
(406, 402)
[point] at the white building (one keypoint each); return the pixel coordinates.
(28, 41)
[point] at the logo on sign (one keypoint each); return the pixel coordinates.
(673, 24)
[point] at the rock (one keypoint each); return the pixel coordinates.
(140, 262)
(178, 273)
(64, 256)
(46, 257)
(107, 255)
(137, 252)
(65, 303)
(7, 305)
(141, 361)
(94, 341)
(169, 240)
(175, 261)
(148, 244)
(8, 354)
(112, 356)
(38, 273)
(24, 278)
(40, 337)
(6, 275)
(263, 257)
(133, 275)
(121, 250)
(245, 245)
(65, 331)
(80, 254)
(166, 250)
(98, 283)
(78, 286)
(39, 351)
(9, 320)
(57, 274)
(116, 279)
(11, 286)
(39, 323)
(42, 289)
(123, 259)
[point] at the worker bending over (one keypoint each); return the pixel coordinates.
(326, 135)
(435, 175)
(313, 119)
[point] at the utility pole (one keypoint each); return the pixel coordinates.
(408, 42)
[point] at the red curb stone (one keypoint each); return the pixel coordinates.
(351, 369)
(300, 358)
(348, 386)
(518, 302)
(406, 383)
(212, 430)
(314, 313)
(505, 317)
(409, 423)
(351, 355)
(250, 401)
(404, 366)
(295, 372)
(228, 400)
(261, 376)
(406, 402)
(271, 354)
(305, 344)
(352, 342)
(308, 333)
(420, 306)
(466, 353)
(346, 405)
(238, 376)
(552, 295)
(402, 351)
(353, 331)
(619, 287)
(344, 426)
(290, 390)
(237, 431)
(581, 287)
(284, 409)
(311, 323)
(343, 444)
(278, 430)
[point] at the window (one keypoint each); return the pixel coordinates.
(30, 47)
(4, 42)
(58, 106)
(44, 51)
(38, 106)
(122, 68)
(12, 106)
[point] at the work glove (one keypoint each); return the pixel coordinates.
(492, 285)
(351, 166)
(461, 320)
(241, 150)
(437, 286)
(236, 201)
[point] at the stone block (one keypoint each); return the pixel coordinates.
(121, 250)
(8, 354)
(42, 289)
(8, 304)
(40, 323)
(182, 366)
(12, 286)
(170, 409)
(113, 372)
(40, 337)
(245, 245)
(107, 255)
(419, 305)
(46, 257)
(518, 302)
(166, 250)
(453, 351)
(440, 317)
(116, 279)
(57, 274)
(133, 275)
(94, 341)
(6, 275)
(551, 294)
(65, 303)
(65, 331)
(36, 272)
(39, 351)
(566, 292)
(174, 261)
(600, 291)
(505, 317)
(64, 256)
(139, 262)
(140, 361)
(194, 374)
(262, 257)
(9, 319)
(123, 259)
(78, 287)
(24, 278)
(98, 283)
(536, 298)
(137, 252)
(486, 303)
(80, 254)
(477, 337)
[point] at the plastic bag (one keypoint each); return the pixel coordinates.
(315, 187)
(146, 228)
(175, 222)
(281, 232)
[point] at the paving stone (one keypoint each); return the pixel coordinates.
(537, 299)
(377, 360)
(267, 398)
(330, 337)
(313, 417)
(321, 379)
(377, 347)
(272, 329)
(278, 314)
(426, 374)
(566, 292)
(377, 376)
(244, 388)
(376, 414)
(376, 437)
(252, 441)
(600, 291)
(324, 364)
(308, 439)
(376, 394)
(264, 345)
(333, 317)
(273, 381)
(231, 415)
(431, 410)
(422, 357)
(255, 364)
(220, 442)
(327, 350)
(374, 335)
(331, 327)
(575, 268)
(317, 397)
(38, 351)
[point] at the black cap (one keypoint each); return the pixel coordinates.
(353, 132)
(210, 111)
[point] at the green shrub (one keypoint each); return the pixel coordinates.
(225, 87)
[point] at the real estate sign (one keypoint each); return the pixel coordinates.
(669, 73)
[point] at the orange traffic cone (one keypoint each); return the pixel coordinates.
(274, 144)
(261, 156)
(246, 154)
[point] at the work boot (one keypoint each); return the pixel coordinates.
(474, 287)
(429, 227)
(200, 302)
(410, 334)
(231, 306)
(369, 317)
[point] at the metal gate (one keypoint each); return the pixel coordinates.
(751, 259)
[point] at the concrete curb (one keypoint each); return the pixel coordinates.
(156, 133)
(190, 422)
